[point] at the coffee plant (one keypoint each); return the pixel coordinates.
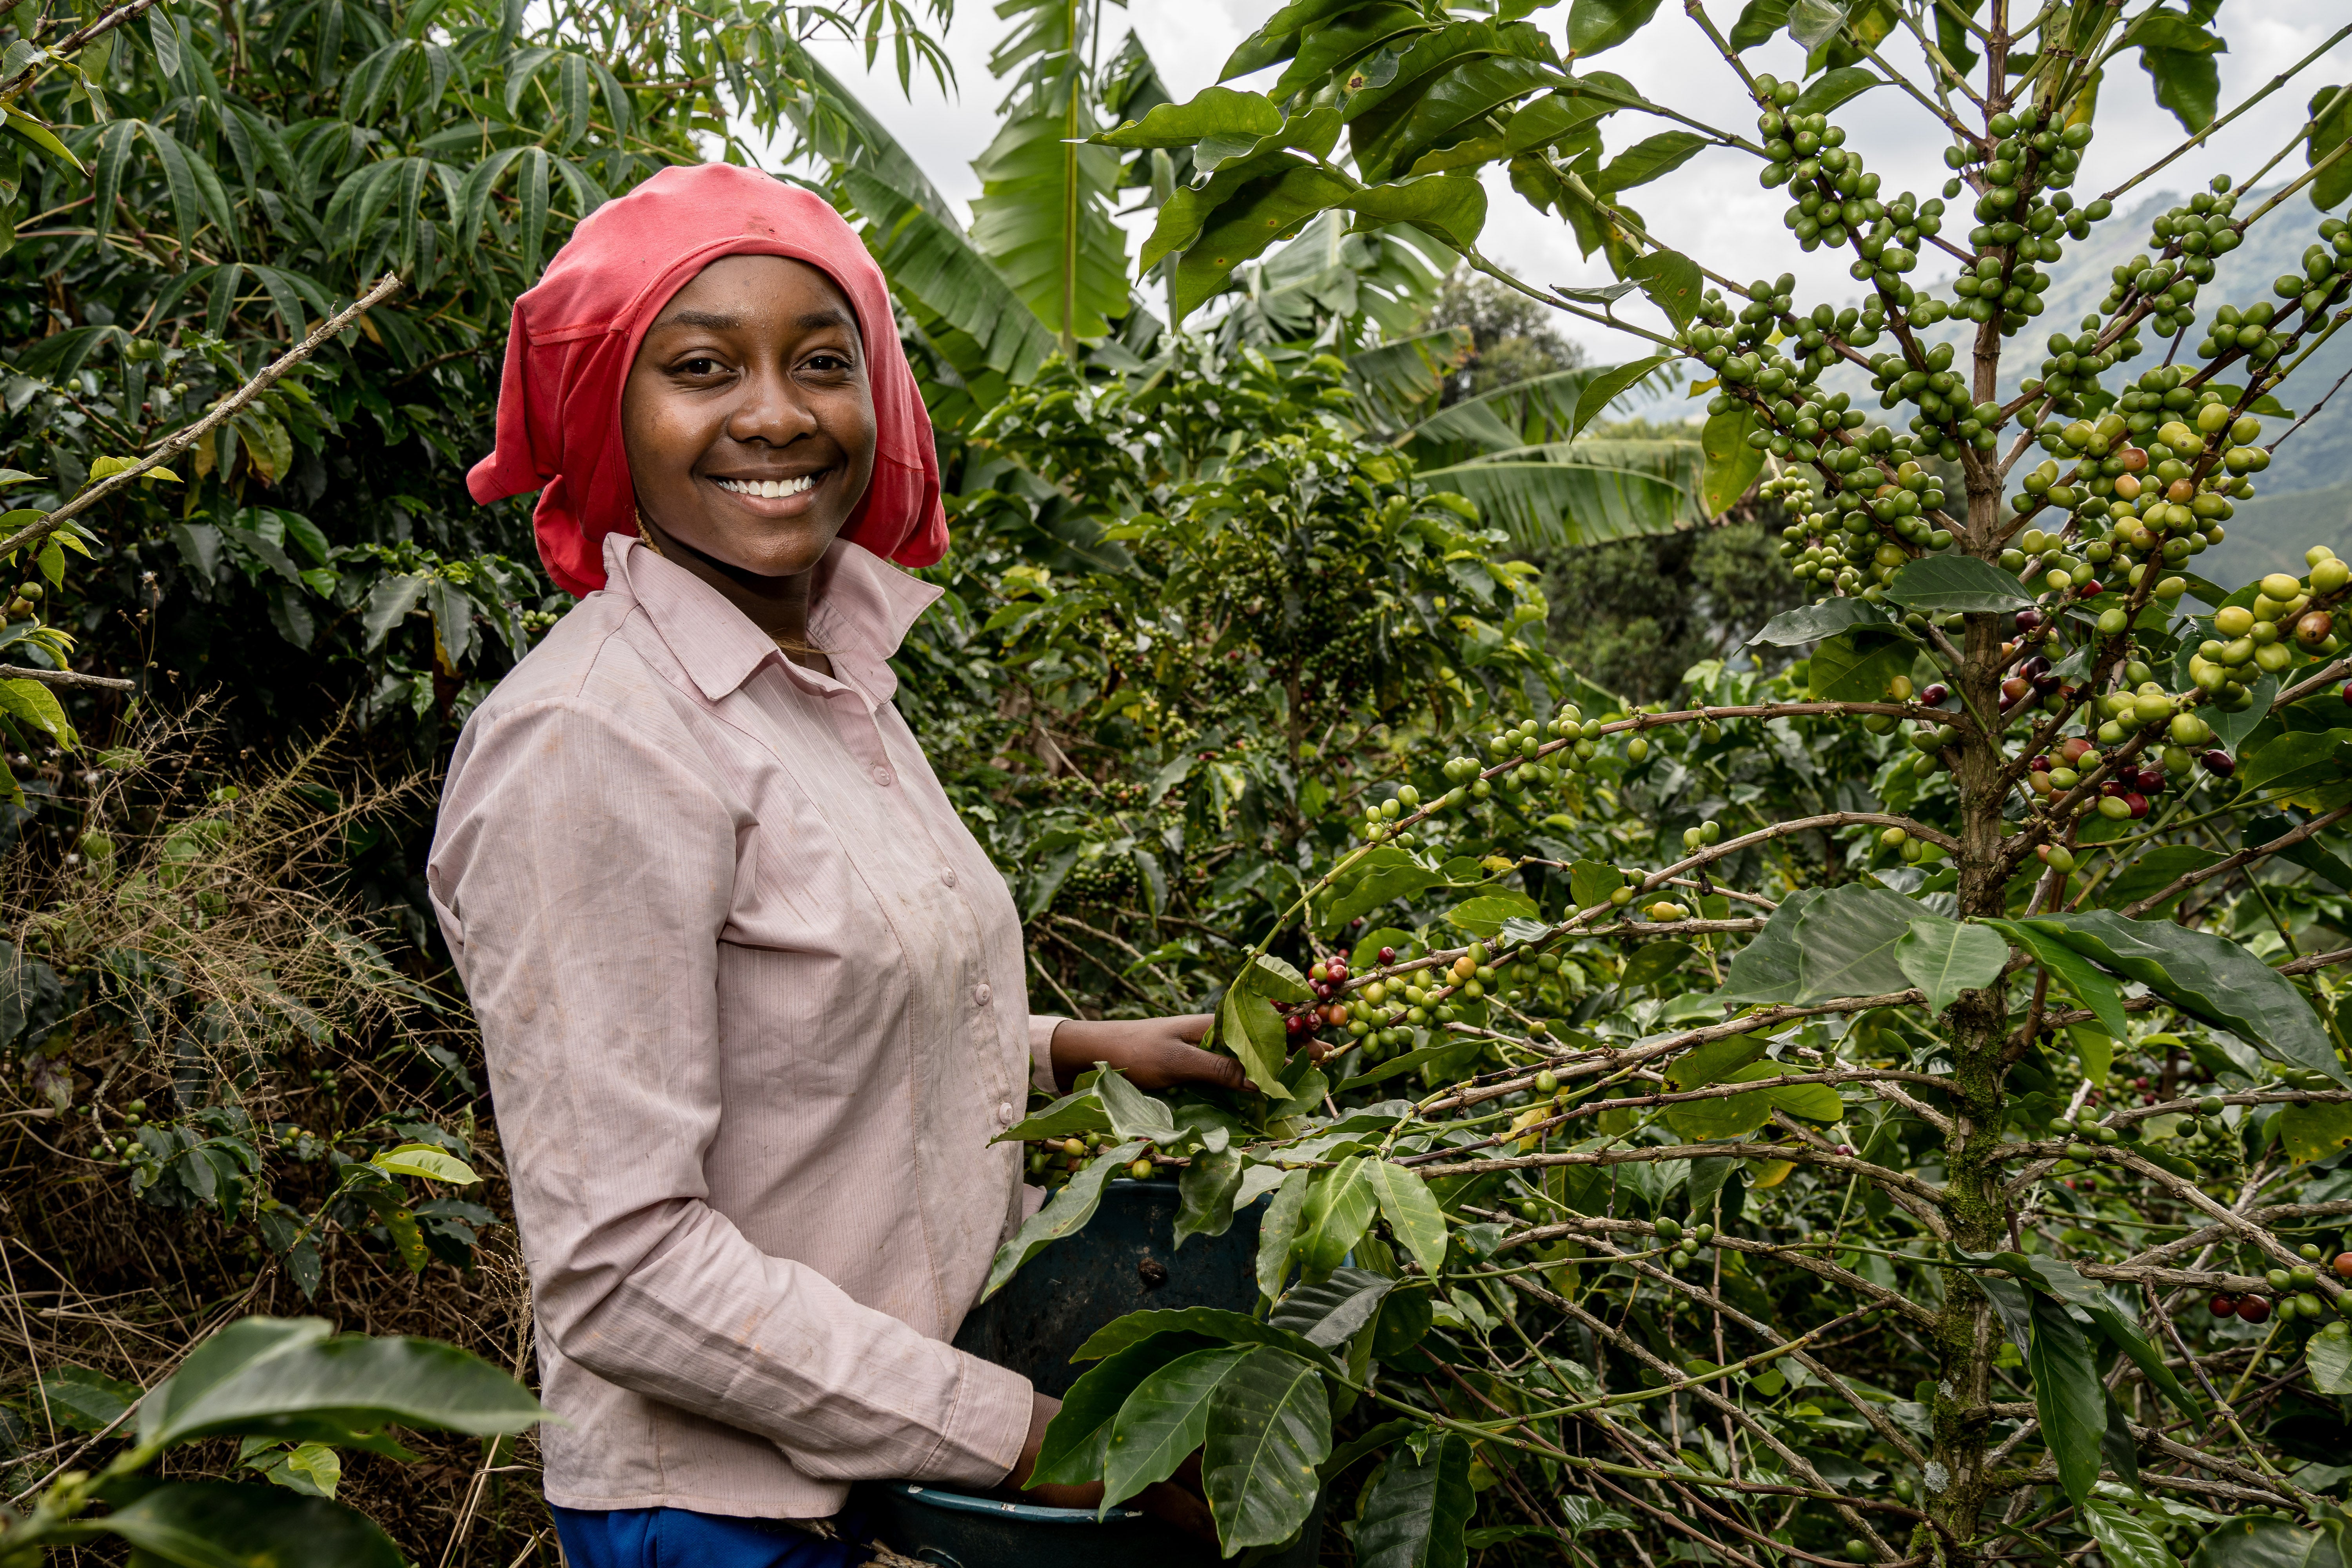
(1945, 1162)
(295, 1393)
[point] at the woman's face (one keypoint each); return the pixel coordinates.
(747, 416)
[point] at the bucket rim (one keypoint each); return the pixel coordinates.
(1000, 1507)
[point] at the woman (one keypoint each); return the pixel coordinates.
(753, 997)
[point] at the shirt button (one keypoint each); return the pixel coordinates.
(1005, 1112)
(948, 876)
(981, 993)
(881, 775)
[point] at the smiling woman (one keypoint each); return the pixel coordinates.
(750, 427)
(753, 998)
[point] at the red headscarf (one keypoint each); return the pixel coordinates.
(576, 335)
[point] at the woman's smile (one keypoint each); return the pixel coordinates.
(761, 489)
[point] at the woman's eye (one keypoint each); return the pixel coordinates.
(830, 362)
(700, 365)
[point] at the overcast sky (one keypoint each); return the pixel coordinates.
(1712, 208)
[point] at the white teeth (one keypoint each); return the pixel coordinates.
(768, 489)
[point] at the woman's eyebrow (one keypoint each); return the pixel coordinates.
(715, 321)
(829, 316)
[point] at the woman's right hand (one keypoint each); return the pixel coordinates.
(1177, 1502)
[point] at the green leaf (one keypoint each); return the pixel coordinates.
(2329, 131)
(2127, 1337)
(1944, 957)
(1210, 1322)
(1581, 492)
(1269, 1427)
(1732, 464)
(2310, 1132)
(1329, 1313)
(1672, 281)
(1277, 978)
(2125, 1540)
(2216, 980)
(1042, 219)
(1484, 916)
(1591, 882)
(1711, 1062)
(1205, 1194)
(1956, 584)
(1654, 963)
(1832, 88)
(1609, 385)
(388, 603)
(2094, 990)
(1652, 158)
(1065, 1215)
(1846, 944)
(85, 1400)
(32, 703)
(220, 1524)
(1073, 1115)
(2328, 1357)
(1452, 207)
(2266, 1541)
(1339, 1205)
(2187, 80)
(1262, 211)
(1134, 1115)
(928, 259)
(1736, 1115)
(1597, 25)
(1812, 622)
(1858, 665)
(1165, 1419)
(2310, 768)
(1413, 1212)
(1278, 1235)
(296, 1380)
(1380, 874)
(2152, 873)
(2311, 854)
(2068, 1396)
(1416, 1512)
(41, 139)
(1765, 968)
(1758, 20)
(1250, 1028)
(1077, 1442)
(424, 1160)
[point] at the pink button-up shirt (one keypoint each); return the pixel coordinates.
(754, 1003)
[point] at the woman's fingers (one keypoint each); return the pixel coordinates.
(1183, 1064)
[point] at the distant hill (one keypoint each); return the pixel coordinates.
(2271, 533)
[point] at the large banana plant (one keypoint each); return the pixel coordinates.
(1520, 451)
(1044, 212)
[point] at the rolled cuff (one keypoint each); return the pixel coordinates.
(1041, 1050)
(983, 1439)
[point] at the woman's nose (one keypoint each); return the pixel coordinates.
(772, 410)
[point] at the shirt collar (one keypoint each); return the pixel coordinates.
(859, 612)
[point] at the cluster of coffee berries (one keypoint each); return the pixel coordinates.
(1684, 1245)
(2021, 207)
(1326, 978)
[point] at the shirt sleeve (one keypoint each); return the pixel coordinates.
(586, 872)
(1041, 1050)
